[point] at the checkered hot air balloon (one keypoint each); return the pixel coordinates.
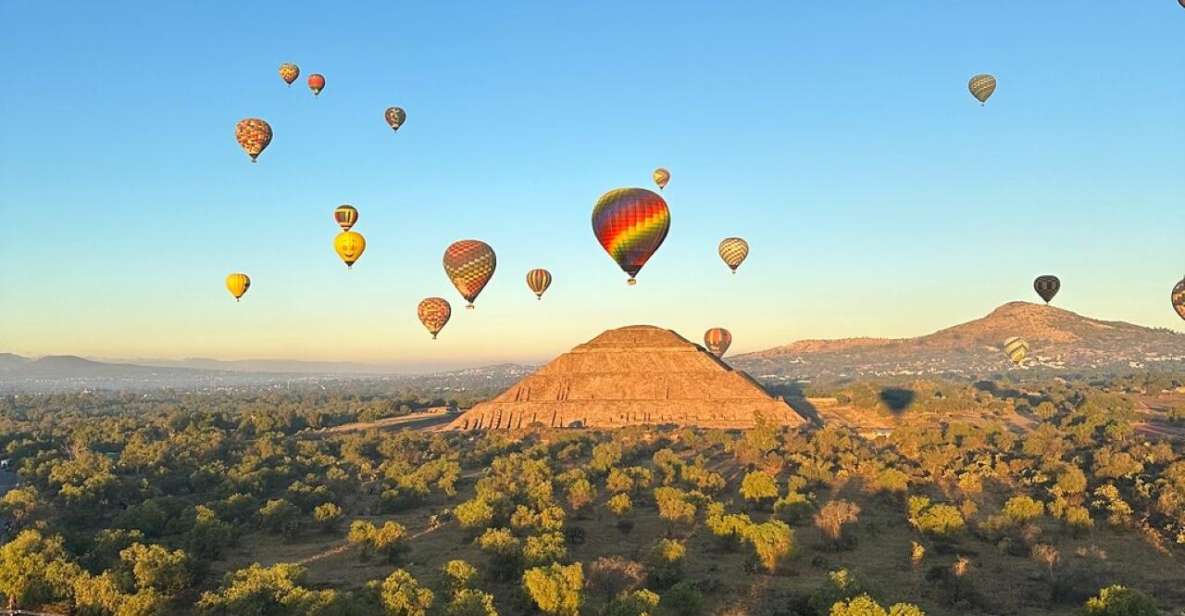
(316, 83)
(289, 72)
(538, 280)
(661, 177)
(631, 223)
(1047, 286)
(469, 265)
(733, 251)
(982, 86)
(434, 313)
(253, 136)
(717, 340)
(345, 216)
(1178, 296)
(395, 117)
(1016, 349)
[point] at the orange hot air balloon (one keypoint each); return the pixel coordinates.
(538, 280)
(345, 216)
(717, 340)
(661, 177)
(316, 83)
(469, 265)
(289, 72)
(253, 136)
(349, 246)
(630, 224)
(434, 313)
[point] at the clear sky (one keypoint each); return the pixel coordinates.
(839, 138)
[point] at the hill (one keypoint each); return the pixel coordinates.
(1058, 339)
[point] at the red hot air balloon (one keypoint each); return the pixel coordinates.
(631, 223)
(469, 265)
(316, 83)
(718, 340)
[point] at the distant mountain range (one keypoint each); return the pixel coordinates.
(1058, 340)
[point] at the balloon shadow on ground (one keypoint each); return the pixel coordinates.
(898, 399)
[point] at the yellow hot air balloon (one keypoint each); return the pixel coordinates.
(661, 177)
(538, 280)
(981, 87)
(1016, 349)
(238, 284)
(434, 313)
(345, 216)
(733, 251)
(349, 246)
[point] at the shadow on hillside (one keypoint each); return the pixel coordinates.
(898, 399)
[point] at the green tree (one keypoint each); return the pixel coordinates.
(402, 595)
(673, 506)
(155, 567)
(35, 569)
(759, 487)
(620, 504)
(772, 541)
(275, 590)
(471, 602)
(1022, 509)
(458, 575)
(556, 589)
(474, 514)
(1121, 601)
(327, 516)
(280, 517)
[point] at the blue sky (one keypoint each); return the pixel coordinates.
(839, 139)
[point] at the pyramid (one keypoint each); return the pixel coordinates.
(637, 375)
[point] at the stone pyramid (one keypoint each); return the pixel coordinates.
(637, 375)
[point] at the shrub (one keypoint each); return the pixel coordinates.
(505, 553)
(471, 602)
(1121, 601)
(759, 487)
(682, 598)
(938, 520)
(402, 595)
(613, 575)
(840, 585)
(772, 541)
(673, 507)
(458, 575)
(1023, 509)
(832, 519)
(864, 605)
(327, 515)
(636, 603)
(794, 508)
(892, 481)
(556, 589)
(547, 547)
(620, 504)
(474, 513)
(580, 494)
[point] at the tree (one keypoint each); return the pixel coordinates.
(266, 591)
(613, 575)
(155, 567)
(580, 494)
(863, 605)
(682, 598)
(1022, 509)
(1121, 601)
(402, 595)
(504, 550)
(759, 487)
(620, 504)
(938, 520)
(471, 602)
(833, 517)
(474, 513)
(458, 575)
(640, 602)
(547, 547)
(673, 507)
(281, 517)
(556, 589)
(772, 541)
(35, 569)
(327, 515)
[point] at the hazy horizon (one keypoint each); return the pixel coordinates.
(878, 197)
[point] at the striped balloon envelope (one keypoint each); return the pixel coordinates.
(469, 265)
(538, 280)
(631, 223)
(345, 216)
(1178, 295)
(661, 177)
(982, 87)
(717, 340)
(1047, 286)
(1016, 349)
(434, 313)
(733, 251)
(253, 136)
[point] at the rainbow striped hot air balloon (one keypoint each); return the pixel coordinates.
(717, 340)
(631, 223)
(538, 280)
(345, 216)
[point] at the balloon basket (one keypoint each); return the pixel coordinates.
(632, 281)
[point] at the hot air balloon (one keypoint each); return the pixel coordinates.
(1016, 349)
(316, 83)
(1178, 296)
(345, 215)
(349, 246)
(631, 224)
(253, 136)
(469, 264)
(289, 72)
(717, 340)
(237, 284)
(733, 250)
(981, 87)
(538, 280)
(661, 177)
(434, 313)
(395, 117)
(1047, 286)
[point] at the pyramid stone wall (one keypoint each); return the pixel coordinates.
(637, 375)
